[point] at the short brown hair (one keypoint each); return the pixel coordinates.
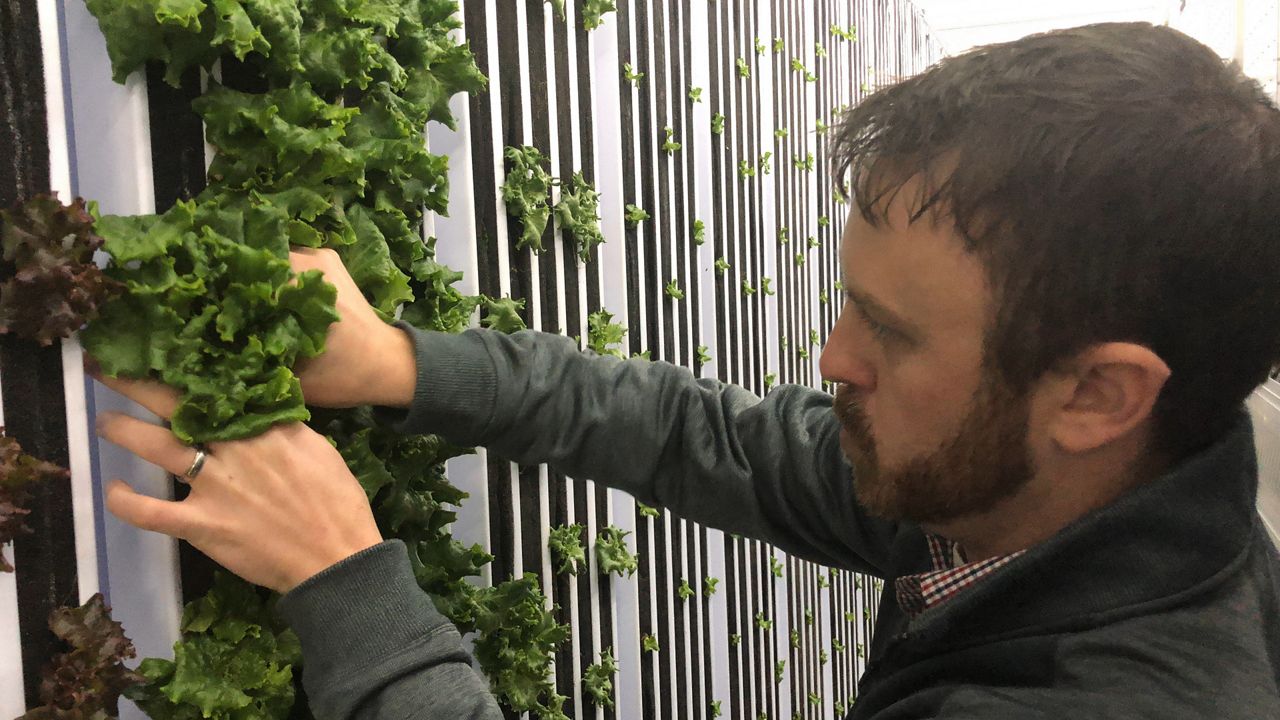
(1120, 182)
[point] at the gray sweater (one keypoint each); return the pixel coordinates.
(1164, 604)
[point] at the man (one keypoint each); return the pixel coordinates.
(1063, 279)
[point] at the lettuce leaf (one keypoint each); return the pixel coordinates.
(86, 682)
(54, 286)
(234, 660)
(221, 321)
(18, 472)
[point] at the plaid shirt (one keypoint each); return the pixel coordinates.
(950, 575)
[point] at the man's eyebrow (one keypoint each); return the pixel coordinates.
(873, 306)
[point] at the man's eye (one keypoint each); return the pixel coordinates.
(878, 329)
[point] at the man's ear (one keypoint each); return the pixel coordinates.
(1106, 392)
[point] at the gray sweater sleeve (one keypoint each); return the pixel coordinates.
(374, 646)
(710, 451)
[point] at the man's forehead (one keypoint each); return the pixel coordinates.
(918, 270)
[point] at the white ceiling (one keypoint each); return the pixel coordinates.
(961, 24)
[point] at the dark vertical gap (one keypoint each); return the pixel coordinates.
(647, 233)
(629, 121)
(177, 137)
(705, 620)
(483, 194)
(718, 59)
(793, 622)
(744, 625)
(678, 90)
(568, 589)
(752, 214)
(501, 520)
(548, 280)
(687, 206)
(530, 520)
(734, 125)
(31, 381)
(178, 173)
(664, 587)
(648, 682)
(657, 83)
(759, 639)
(680, 629)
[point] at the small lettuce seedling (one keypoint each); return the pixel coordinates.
(604, 337)
(630, 75)
(703, 356)
(593, 12)
(526, 191)
(635, 215)
(669, 144)
(597, 680)
(717, 124)
(673, 290)
(684, 591)
(699, 232)
(565, 543)
(612, 554)
(578, 213)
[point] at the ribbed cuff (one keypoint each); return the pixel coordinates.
(456, 388)
(360, 610)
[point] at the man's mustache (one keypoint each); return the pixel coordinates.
(848, 410)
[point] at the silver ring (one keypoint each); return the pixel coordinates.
(196, 465)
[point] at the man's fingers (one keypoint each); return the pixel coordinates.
(142, 511)
(150, 394)
(150, 442)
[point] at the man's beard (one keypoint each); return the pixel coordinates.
(985, 462)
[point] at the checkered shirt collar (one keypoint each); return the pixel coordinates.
(950, 575)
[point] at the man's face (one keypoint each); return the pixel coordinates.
(930, 435)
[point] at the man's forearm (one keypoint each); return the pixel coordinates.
(712, 452)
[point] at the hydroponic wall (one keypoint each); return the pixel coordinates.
(746, 90)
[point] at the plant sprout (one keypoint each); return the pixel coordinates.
(673, 290)
(635, 215)
(669, 144)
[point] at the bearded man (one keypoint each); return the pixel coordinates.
(1062, 278)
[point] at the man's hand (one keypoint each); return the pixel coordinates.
(365, 360)
(274, 509)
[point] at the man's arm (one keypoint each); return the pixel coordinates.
(712, 452)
